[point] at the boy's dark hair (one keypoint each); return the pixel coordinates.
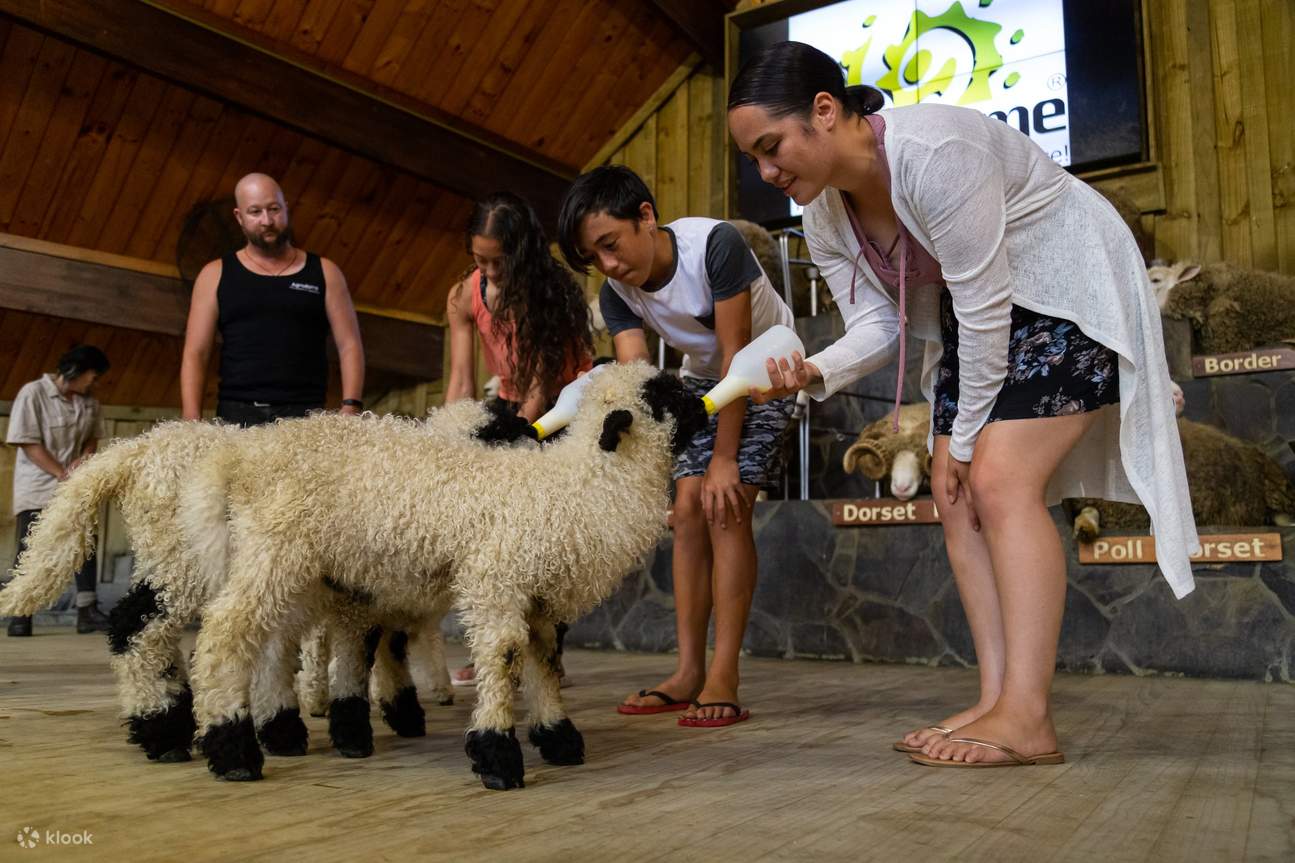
(81, 359)
(611, 189)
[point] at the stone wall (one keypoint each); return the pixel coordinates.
(887, 594)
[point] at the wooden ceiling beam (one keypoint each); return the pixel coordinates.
(194, 51)
(66, 282)
(702, 21)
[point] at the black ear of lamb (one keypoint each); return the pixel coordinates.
(504, 427)
(615, 424)
(666, 393)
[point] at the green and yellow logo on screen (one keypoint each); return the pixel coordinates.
(1006, 58)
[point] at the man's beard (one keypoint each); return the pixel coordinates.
(274, 247)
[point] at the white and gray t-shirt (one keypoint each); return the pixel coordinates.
(711, 262)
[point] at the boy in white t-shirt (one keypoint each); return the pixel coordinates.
(697, 285)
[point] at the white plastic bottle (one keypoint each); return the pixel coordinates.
(564, 409)
(748, 368)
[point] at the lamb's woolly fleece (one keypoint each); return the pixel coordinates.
(875, 450)
(404, 512)
(143, 474)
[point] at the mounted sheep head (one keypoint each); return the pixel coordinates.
(1165, 277)
(902, 455)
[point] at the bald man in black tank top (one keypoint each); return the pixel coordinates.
(274, 305)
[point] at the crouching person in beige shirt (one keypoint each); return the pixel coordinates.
(55, 424)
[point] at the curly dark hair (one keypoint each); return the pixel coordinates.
(541, 316)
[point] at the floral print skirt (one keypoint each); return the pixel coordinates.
(1053, 370)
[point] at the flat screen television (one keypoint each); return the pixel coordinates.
(1068, 73)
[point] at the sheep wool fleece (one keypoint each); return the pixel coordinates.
(1010, 226)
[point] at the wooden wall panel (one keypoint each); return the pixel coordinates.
(1225, 138)
(105, 158)
(679, 149)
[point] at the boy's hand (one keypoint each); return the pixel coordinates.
(721, 492)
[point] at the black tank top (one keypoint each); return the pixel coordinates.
(274, 330)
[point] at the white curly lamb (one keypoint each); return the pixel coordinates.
(402, 518)
(144, 475)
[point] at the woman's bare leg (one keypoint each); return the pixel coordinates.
(1013, 462)
(974, 574)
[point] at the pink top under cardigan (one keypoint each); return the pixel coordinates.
(914, 261)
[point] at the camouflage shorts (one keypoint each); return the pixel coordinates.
(759, 453)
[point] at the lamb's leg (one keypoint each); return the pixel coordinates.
(394, 687)
(427, 648)
(312, 679)
(354, 647)
(275, 712)
(232, 640)
(144, 639)
(498, 638)
(551, 730)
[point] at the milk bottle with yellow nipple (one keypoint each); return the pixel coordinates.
(748, 368)
(564, 409)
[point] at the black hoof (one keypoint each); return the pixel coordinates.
(559, 744)
(496, 758)
(349, 727)
(231, 750)
(284, 734)
(165, 732)
(405, 715)
(174, 756)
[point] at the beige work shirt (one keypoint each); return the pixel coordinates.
(62, 424)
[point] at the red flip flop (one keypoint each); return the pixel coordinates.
(670, 706)
(741, 716)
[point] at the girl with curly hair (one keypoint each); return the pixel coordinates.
(526, 308)
(529, 313)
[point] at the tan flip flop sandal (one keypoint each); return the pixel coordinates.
(1017, 759)
(901, 746)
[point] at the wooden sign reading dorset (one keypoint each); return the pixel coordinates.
(1215, 548)
(884, 511)
(1244, 363)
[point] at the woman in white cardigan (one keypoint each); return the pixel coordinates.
(1044, 360)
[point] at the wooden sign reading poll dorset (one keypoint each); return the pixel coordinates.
(1244, 363)
(1215, 548)
(874, 512)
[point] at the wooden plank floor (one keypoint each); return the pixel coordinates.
(1160, 769)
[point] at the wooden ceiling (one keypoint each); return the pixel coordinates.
(557, 77)
(99, 155)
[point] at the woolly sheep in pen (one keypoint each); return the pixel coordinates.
(1232, 483)
(403, 517)
(1230, 308)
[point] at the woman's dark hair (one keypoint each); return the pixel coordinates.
(540, 300)
(611, 189)
(784, 78)
(81, 359)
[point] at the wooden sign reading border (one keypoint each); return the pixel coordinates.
(1243, 363)
(1215, 548)
(884, 512)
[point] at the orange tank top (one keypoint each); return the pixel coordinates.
(494, 347)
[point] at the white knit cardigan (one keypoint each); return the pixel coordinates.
(1009, 226)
